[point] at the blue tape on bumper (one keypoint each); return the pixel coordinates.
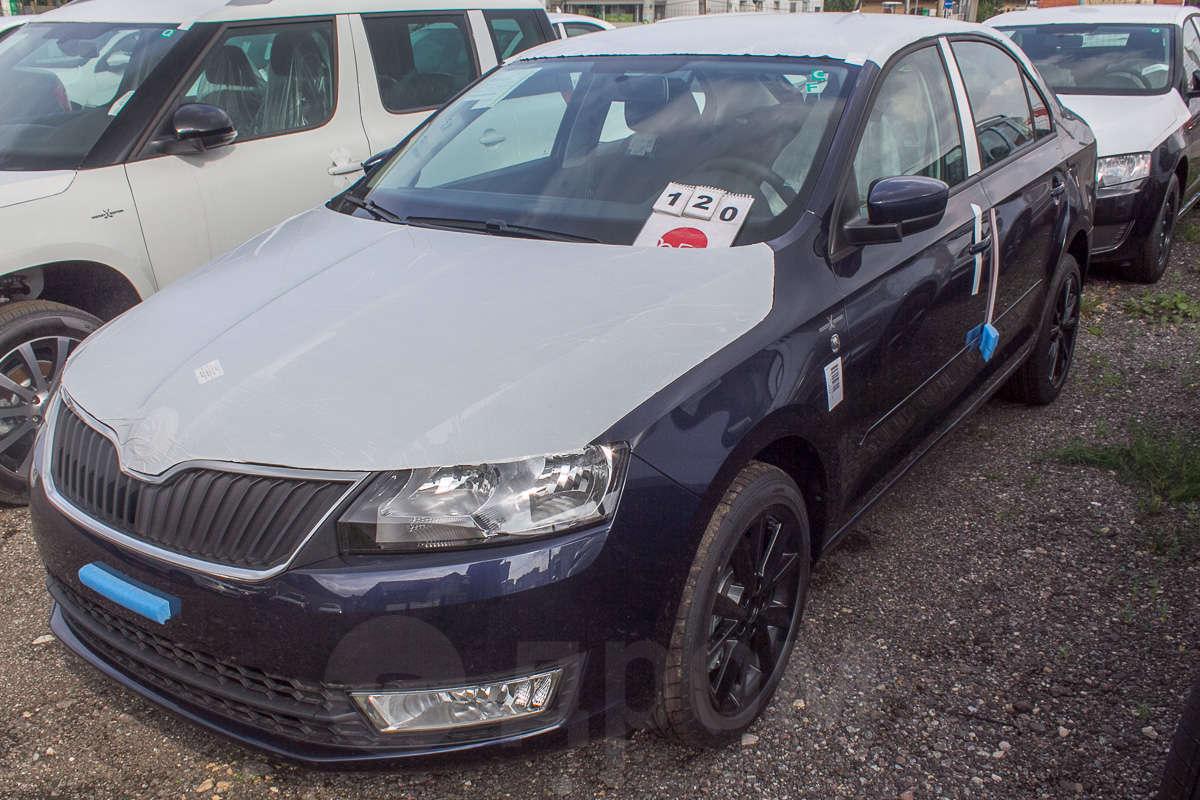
(128, 593)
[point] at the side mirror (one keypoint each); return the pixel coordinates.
(371, 165)
(898, 207)
(1194, 84)
(199, 127)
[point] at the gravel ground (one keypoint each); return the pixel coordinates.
(1002, 626)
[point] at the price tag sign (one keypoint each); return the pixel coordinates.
(694, 217)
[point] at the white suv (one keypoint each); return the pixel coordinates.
(139, 140)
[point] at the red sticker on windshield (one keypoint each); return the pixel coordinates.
(683, 237)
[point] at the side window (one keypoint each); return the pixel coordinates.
(913, 127)
(580, 28)
(996, 89)
(421, 61)
(1042, 125)
(1191, 51)
(271, 79)
(514, 31)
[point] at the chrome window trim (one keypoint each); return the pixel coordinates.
(44, 453)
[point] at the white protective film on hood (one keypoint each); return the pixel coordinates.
(332, 342)
(23, 187)
(1129, 124)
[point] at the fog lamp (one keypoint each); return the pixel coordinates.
(444, 709)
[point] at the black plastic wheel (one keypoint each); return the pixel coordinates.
(36, 337)
(1152, 262)
(740, 611)
(1041, 378)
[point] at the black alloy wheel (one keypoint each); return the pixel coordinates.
(739, 615)
(753, 610)
(1064, 327)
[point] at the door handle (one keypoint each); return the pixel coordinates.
(346, 169)
(1058, 190)
(981, 246)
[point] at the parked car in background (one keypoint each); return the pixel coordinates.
(568, 25)
(556, 407)
(140, 140)
(1133, 72)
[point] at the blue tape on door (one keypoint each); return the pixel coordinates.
(128, 593)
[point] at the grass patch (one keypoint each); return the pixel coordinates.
(1170, 307)
(1188, 231)
(1166, 466)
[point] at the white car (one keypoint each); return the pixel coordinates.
(156, 136)
(1133, 73)
(9, 24)
(568, 25)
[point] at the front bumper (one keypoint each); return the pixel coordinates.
(272, 663)
(1125, 218)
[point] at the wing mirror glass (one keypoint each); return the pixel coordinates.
(898, 207)
(1194, 84)
(199, 127)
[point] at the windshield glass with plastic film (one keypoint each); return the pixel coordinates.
(588, 147)
(1099, 59)
(63, 83)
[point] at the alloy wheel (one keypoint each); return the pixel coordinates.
(1064, 326)
(28, 374)
(753, 611)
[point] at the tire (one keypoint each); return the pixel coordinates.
(706, 701)
(1041, 378)
(1152, 262)
(1181, 777)
(32, 333)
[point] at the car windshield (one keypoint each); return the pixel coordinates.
(585, 146)
(1099, 59)
(65, 82)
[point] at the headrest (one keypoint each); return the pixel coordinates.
(230, 67)
(656, 102)
(290, 46)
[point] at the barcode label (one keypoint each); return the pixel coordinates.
(833, 382)
(209, 372)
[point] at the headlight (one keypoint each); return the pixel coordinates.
(449, 507)
(1115, 170)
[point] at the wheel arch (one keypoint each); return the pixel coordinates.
(90, 286)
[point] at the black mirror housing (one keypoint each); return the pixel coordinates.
(1194, 83)
(199, 127)
(898, 207)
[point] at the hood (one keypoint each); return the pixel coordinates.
(1154, 118)
(339, 343)
(22, 187)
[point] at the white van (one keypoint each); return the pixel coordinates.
(139, 139)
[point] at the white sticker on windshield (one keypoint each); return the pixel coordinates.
(209, 372)
(694, 217)
(116, 107)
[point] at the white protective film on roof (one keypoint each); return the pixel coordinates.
(854, 38)
(332, 342)
(1077, 15)
(182, 11)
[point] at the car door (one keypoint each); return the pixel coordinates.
(290, 90)
(910, 303)
(1024, 179)
(1189, 87)
(410, 64)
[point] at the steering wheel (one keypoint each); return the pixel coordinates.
(751, 169)
(1135, 78)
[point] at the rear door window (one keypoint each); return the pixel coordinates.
(996, 89)
(420, 61)
(580, 28)
(514, 31)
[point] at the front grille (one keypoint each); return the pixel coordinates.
(236, 519)
(296, 709)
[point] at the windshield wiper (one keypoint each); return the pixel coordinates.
(374, 209)
(493, 227)
(497, 227)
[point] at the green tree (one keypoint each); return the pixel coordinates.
(989, 8)
(840, 5)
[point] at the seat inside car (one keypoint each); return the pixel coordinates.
(300, 87)
(231, 83)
